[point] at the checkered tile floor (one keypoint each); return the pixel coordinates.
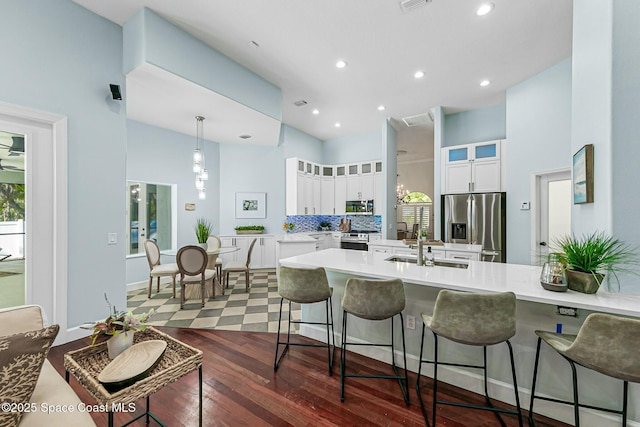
(237, 310)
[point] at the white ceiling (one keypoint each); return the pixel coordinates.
(300, 42)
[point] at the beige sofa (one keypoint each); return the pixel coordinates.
(51, 388)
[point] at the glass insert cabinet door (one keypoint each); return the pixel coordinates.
(149, 215)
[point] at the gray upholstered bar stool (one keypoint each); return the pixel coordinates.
(606, 344)
(471, 319)
(374, 300)
(305, 286)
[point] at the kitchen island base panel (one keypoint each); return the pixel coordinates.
(553, 378)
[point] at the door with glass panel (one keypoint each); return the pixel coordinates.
(12, 219)
(149, 215)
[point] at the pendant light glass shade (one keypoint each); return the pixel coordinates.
(198, 160)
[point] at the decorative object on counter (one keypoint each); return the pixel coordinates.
(288, 226)
(583, 175)
(251, 205)
(590, 257)
(203, 229)
(345, 225)
(120, 326)
(552, 277)
(325, 226)
(198, 160)
(249, 229)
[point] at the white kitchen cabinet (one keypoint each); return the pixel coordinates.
(380, 249)
(473, 256)
(314, 189)
(340, 195)
(263, 255)
(473, 168)
(335, 239)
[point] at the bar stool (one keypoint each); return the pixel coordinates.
(305, 286)
(374, 300)
(606, 344)
(471, 319)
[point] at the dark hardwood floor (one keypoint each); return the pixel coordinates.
(240, 388)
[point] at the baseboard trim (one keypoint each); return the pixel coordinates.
(498, 390)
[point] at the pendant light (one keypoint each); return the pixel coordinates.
(198, 160)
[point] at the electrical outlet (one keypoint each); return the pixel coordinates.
(567, 311)
(411, 322)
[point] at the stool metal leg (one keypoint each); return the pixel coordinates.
(330, 350)
(515, 384)
(576, 404)
(418, 390)
(276, 361)
(435, 376)
(405, 389)
(343, 352)
(625, 397)
(533, 386)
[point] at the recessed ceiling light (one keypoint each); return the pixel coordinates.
(381, 108)
(485, 83)
(337, 124)
(484, 9)
(316, 111)
(341, 64)
(419, 74)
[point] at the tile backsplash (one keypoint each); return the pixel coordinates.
(307, 223)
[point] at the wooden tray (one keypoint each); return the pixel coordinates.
(132, 365)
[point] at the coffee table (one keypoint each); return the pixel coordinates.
(178, 360)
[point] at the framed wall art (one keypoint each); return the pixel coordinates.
(583, 175)
(251, 205)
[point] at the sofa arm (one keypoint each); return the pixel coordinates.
(21, 319)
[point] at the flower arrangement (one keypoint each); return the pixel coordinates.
(288, 226)
(118, 322)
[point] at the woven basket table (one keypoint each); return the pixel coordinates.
(178, 360)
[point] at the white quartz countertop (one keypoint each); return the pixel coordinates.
(523, 280)
(295, 238)
(447, 246)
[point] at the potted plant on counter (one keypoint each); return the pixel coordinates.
(249, 229)
(203, 229)
(589, 258)
(325, 226)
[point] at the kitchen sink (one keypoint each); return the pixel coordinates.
(439, 262)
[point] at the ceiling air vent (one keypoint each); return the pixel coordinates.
(245, 136)
(300, 103)
(420, 119)
(410, 5)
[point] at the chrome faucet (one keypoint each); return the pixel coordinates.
(420, 260)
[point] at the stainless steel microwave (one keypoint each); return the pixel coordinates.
(359, 207)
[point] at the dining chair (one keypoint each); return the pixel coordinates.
(156, 269)
(192, 263)
(238, 267)
(214, 242)
(401, 228)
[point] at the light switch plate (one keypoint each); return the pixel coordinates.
(525, 206)
(112, 238)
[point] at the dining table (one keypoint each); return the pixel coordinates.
(193, 292)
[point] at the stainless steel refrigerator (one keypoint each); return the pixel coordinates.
(477, 219)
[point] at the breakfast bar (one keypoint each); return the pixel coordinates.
(537, 309)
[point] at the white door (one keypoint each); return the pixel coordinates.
(553, 212)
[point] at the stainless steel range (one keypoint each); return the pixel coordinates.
(356, 240)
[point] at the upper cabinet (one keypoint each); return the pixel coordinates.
(313, 189)
(473, 168)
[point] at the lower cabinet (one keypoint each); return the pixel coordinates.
(264, 251)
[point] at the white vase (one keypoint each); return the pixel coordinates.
(119, 343)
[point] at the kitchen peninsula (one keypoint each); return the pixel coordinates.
(536, 309)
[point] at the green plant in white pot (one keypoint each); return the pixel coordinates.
(590, 258)
(203, 229)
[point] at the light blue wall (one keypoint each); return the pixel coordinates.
(248, 168)
(626, 126)
(165, 157)
(151, 38)
(591, 119)
(539, 139)
(390, 173)
(299, 144)
(353, 148)
(484, 124)
(59, 57)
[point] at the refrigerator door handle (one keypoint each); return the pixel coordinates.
(470, 221)
(490, 253)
